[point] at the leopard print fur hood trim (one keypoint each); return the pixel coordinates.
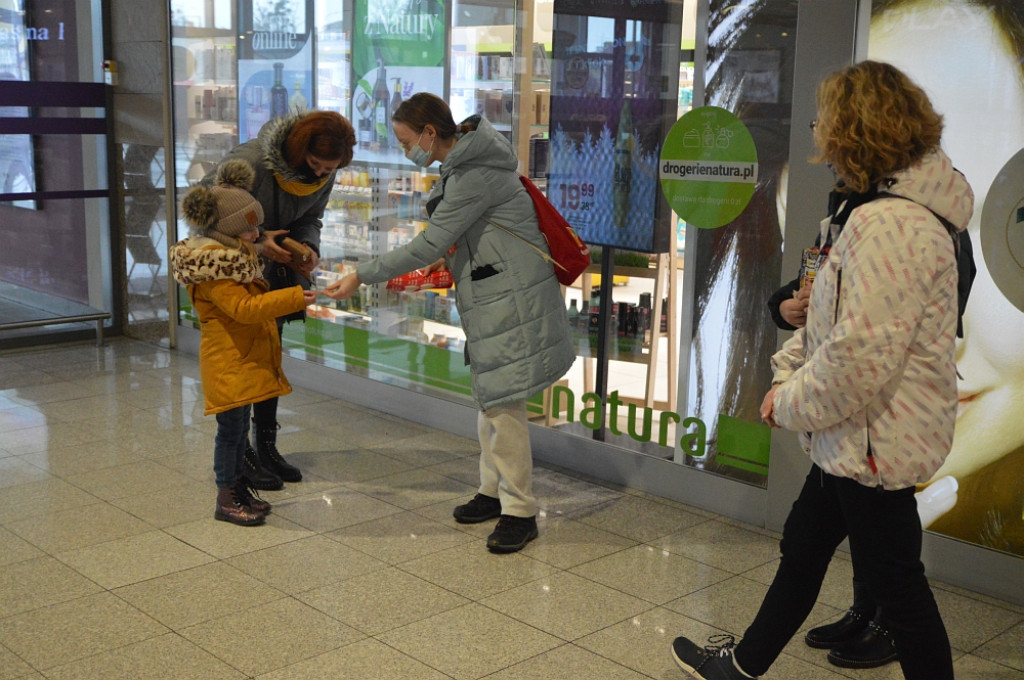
(198, 259)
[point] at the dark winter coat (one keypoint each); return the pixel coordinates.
(299, 214)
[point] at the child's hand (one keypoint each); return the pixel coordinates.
(310, 297)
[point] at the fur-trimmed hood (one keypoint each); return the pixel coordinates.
(198, 259)
(271, 140)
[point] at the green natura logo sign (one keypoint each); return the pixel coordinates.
(708, 167)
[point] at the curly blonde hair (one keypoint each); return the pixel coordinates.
(873, 121)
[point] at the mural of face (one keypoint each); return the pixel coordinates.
(962, 59)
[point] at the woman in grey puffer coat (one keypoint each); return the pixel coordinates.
(518, 340)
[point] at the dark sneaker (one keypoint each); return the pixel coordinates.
(713, 662)
(512, 534)
(850, 626)
(480, 509)
(871, 649)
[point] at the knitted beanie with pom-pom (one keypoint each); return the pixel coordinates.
(226, 210)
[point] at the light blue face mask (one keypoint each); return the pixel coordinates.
(417, 156)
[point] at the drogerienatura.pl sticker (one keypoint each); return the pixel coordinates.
(708, 167)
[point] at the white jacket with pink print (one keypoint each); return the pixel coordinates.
(870, 381)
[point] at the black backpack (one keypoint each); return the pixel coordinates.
(962, 246)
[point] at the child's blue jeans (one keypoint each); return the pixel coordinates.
(229, 446)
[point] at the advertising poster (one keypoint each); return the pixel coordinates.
(275, 62)
(612, 64)
(978, 493)
(398, 48)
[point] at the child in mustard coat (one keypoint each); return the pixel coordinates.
(239, 349)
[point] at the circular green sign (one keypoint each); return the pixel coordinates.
(708, 167)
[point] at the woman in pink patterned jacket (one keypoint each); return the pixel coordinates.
(870, 381)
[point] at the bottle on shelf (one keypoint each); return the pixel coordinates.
(257, 113)
(297, 102)
(381, 106)
(594, 318)
(574, 323)
(622, 178)
(644, 325)
(396, 101)
(364, 110)
(278, 93)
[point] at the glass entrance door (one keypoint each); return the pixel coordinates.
(55, 266)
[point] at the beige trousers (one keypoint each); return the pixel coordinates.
(506, 461)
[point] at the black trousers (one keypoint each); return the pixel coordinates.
(885, 544)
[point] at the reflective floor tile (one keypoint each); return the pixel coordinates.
(13, 548)
(305, 564)
(637, 518)
(191, 596)
(167, 657)
(474, 572)
(722, 545)
(39, 582)
(78, 528)
(470, 641)
(382, 600)
(400, 537)
(134, 558)
(358, 661)
(333, 509)
(565, 543)
(567, 661)
(566, 605)
(650, 573)
(413, 489)
(224, 540)
(299, 632)
(131, 479)
(56, 635)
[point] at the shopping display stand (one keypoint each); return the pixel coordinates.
(665, 276)
(664, 273)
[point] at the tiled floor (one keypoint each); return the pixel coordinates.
(113, 566)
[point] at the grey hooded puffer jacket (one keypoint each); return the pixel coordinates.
(518, 339)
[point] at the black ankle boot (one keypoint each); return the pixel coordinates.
(852, 624)
(256, 476)
(871, 649)
(270, 458)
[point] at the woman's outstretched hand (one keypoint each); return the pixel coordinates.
(344, 288)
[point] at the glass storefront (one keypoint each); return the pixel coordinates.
(621, 82)
(54, 190)
(673, 333)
